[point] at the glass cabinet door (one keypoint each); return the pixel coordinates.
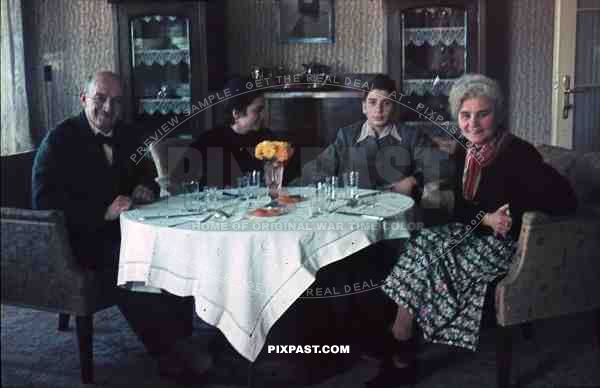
(434, 44)
(161, 73)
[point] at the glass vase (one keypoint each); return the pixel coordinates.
(274, 178)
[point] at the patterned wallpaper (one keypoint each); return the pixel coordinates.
(358, 47)
(76, 37)
(530, 69)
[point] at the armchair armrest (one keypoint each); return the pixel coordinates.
(536, 218)
(31, 232)
(539, 218)
(555, 270)
(12, 213)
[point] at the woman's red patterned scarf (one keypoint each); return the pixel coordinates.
(477, 158)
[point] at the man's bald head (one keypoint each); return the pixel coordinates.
(102, 99)
(101, 76)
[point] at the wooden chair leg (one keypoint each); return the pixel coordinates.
(503, 356)
(250, 375)
(598, 329)
(63, 322)
(85, 332)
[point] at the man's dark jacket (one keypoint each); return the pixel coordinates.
(71, 173)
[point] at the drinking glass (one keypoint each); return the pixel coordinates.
(254, 183)
(351, 179)
(319, 199)
(243, 189)
(332, 187)
(191, 190)
(211, 197)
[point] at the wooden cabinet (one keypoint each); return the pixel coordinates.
(167, 62)
(430, 45)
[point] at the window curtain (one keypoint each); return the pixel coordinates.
(15, 131)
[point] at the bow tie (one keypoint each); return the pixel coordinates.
(102, 139)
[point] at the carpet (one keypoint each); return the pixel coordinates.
(562, 354)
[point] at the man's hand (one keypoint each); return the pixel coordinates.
(405, 186)
(500, 221)
(142, 194)
(118, 206)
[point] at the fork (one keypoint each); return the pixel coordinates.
(186, 221)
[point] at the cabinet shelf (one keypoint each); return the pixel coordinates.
(421, 87)
(163, 106)
(435, 36)
(161, 57)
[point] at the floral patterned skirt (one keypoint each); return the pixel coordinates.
(442, 278)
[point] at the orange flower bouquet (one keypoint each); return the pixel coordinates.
(276, 154)
(275, 151)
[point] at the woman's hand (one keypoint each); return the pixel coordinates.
(500, 221)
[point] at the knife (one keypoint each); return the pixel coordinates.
(144, 218)
(367, 216)
(368, 195)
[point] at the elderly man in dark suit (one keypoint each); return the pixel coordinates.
(83, 168)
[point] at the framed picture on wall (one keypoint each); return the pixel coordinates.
(305, 21)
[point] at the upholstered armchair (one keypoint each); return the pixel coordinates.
(556, 270)
(38, 268)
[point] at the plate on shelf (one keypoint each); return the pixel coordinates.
(153, 43)
(180, 42)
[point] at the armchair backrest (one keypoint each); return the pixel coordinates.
(16, 179)
(38, 269)
(167, 153)
(581, 169)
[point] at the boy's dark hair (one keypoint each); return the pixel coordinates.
(243, 92)
(381, 82)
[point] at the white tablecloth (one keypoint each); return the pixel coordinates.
(244, 272)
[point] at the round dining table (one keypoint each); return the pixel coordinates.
(245, 267)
